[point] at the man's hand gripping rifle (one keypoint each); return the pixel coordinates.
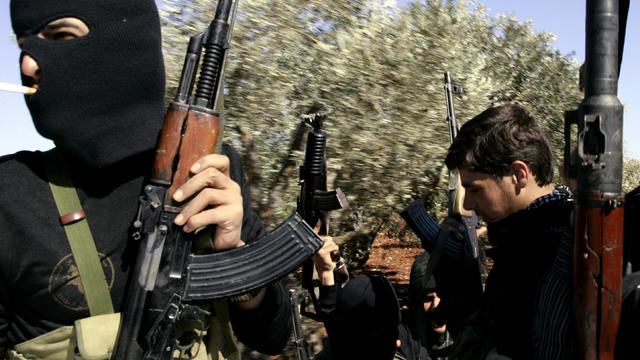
(168, 277)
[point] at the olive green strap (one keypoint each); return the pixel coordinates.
(78, 233)
(221, 344)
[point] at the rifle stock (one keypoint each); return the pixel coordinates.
(168, 279)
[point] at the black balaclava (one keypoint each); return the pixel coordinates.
(101, 96)
(366, 326)
(417, 287)
(417, 292)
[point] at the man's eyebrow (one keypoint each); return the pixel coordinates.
(467, 184)
(59, 24)
(52, 26)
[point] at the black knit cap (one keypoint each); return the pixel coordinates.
(368, 320)
(417, 287)
(101, 96)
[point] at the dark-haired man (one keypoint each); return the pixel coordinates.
(99, 73)
(506, 167)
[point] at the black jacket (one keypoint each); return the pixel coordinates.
(412, 348)
(39, 285)
(363, 321)
(525, 248)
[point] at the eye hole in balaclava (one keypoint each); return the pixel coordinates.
(62, 29)
(66, 28)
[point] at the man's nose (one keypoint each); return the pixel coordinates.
(436, 301)
(29, 67)
(468, 203)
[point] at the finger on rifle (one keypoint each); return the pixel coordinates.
(330, 247)
(481, 231)
(217, 161)
(323, 258)
(228, 230)
(209, 177)
(231, 201)
(335, 255)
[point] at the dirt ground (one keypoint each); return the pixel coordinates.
(390, 258)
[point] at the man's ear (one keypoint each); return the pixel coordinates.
(521, 173)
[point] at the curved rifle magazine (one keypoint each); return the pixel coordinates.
(233, 272)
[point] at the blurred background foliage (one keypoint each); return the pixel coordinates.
(377, 70)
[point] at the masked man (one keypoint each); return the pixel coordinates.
(423, 333)
(99, 73)
(364, 321)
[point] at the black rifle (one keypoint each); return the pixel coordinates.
(460, 281)
(315, 201)
(168, 279)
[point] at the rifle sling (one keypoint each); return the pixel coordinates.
(76, 227)
(435, 254)
(431, 265)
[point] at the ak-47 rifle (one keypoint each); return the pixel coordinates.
(417, 216)
(599, 206)
(315, 202)
(462, 286)
(168, 278)
(456, 191)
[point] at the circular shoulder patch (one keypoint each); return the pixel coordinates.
(66, 287)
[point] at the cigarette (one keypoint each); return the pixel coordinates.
(17, 88)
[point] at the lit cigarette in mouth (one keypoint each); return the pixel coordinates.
(17, 88)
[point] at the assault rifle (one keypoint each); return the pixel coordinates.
(417, 217)
(168, 279)
(315, 201)
(597, 167)
(456, 191)
(461, 267)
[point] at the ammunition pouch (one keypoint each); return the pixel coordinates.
(94, 338)
(91, 338)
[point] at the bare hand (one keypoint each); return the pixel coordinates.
(324, 260)
(217, 200)
(481, 231)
